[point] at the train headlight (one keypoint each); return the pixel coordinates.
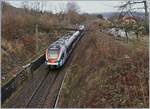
(60, 62)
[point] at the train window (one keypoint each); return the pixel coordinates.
(67, 49)
(53, 54)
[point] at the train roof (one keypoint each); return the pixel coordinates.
(60, 42)
(54, 46)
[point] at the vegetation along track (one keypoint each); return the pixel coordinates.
(41, 90)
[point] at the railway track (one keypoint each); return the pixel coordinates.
(39, 96)
(41, 90)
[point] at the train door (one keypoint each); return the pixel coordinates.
(65, 55)
(62, 59)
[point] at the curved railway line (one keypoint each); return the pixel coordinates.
(40, 90)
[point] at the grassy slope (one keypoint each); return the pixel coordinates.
(106, 73)
(19, 39)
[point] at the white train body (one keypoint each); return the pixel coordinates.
(58, 52)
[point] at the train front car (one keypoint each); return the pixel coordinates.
(54, 56)
(81, 27)
(58, 52)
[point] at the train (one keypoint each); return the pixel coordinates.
(58, 52)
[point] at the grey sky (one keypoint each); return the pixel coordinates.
(85, 6)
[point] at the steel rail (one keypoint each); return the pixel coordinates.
(47, 83)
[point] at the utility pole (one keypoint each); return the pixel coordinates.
(146, 13)
(146, 16)
(36, 32)
(129, 3)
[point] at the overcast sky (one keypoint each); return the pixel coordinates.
(85, 6)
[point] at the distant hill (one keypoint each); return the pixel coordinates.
(136, 14)
(110, 14)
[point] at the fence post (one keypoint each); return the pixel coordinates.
(36, 32)
(28, 70)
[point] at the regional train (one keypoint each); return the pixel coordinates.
(58, 52)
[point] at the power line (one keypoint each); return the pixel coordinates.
(128, 6)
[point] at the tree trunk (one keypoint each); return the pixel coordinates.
(127, 36)
(137, 35)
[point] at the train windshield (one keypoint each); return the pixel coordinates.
(53, 53)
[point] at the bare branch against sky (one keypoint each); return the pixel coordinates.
(85, 6)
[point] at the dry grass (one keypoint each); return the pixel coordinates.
(19, 37)
(106, 74)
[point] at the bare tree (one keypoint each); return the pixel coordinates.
(72, 10)
(72, 6)
(25, 5)
(62, 8)
(128, 7)
(61, 15)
